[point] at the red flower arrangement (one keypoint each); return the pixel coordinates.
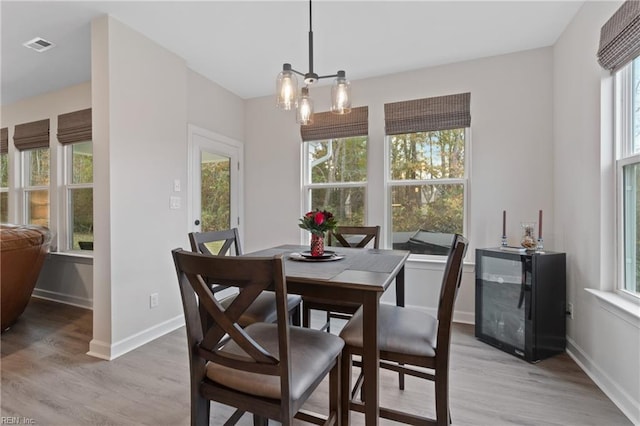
(318, 222)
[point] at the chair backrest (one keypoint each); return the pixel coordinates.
(217, 243)
(354, 236)
(205, 337)
(449, 290)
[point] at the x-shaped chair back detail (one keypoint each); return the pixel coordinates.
(267, 369)
(203, 242)
(207, 336)
(366, 233)
(251, 276)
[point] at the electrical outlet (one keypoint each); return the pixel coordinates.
(153, 300)
(570, 310)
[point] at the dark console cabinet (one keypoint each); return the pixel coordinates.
(520, 302)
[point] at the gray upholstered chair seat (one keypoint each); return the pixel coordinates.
(400, 330)
(312, 352)
(262, 309)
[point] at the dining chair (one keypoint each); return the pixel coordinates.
(268, 369)
(406, 338)
(225, 243)
(342, 236)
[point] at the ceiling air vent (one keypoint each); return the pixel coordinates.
(38, 44)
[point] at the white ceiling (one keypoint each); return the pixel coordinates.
(242, 45)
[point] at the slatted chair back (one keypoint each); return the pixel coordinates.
(355, 236)
(449, 290)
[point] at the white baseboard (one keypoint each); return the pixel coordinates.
(618, 396)
(104, 350)
(67, 299)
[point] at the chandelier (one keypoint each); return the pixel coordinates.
(287, 96)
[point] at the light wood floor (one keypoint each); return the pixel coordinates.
(47, 379)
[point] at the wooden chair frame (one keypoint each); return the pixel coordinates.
(401, 363)
(230, 239)
(206, 337)
(340, 310)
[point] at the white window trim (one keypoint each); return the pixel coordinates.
(389, 183)
(307, 186)
(66, 227)
(25, 167)
(623, 121)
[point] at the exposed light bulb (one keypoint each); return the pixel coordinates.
(286, 88)
(304, 113)
(341, 94)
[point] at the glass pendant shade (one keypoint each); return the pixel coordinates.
(286, 88)
(304, 113)
(341, 95)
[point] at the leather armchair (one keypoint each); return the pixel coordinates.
(23, 249)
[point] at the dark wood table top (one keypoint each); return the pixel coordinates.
(360, 269)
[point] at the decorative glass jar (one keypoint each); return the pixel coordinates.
(528, 240)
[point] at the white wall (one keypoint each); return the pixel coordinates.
(606, 342)
(139, 93)
(212, 107)
(140, 147)
(511, 157)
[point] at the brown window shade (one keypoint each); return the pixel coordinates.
(429, 114)
(32, 135)
(4, 140)
(74, 127)
(620, 37)
(327, 125)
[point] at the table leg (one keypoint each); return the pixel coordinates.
(370, 358)
(400, 302)
(400, 287)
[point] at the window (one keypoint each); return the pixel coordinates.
(427, 180)
(35, 166)
(335, 165)
(79, 195)
(4, 175)
(627, 156)
(32, 140)
(4, 188)
(74, 133)
(428, 186)
(336, 178)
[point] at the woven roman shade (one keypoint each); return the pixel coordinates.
(428, 114)
(327, 125)
(4, 140)
(32, 135)
(74, 127)
(620, 37)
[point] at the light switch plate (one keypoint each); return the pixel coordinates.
(174, 202)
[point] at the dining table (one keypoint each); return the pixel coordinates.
(352, 275)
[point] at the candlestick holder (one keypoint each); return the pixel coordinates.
(540, 245)
(503, 242)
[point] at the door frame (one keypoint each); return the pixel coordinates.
(217, 143)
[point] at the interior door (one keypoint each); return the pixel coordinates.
(214, 181)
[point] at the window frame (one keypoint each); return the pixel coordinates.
(25, 188)
(391, 183)
(67, 187)
(5, 189)
(308, 186)
(623, 156)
